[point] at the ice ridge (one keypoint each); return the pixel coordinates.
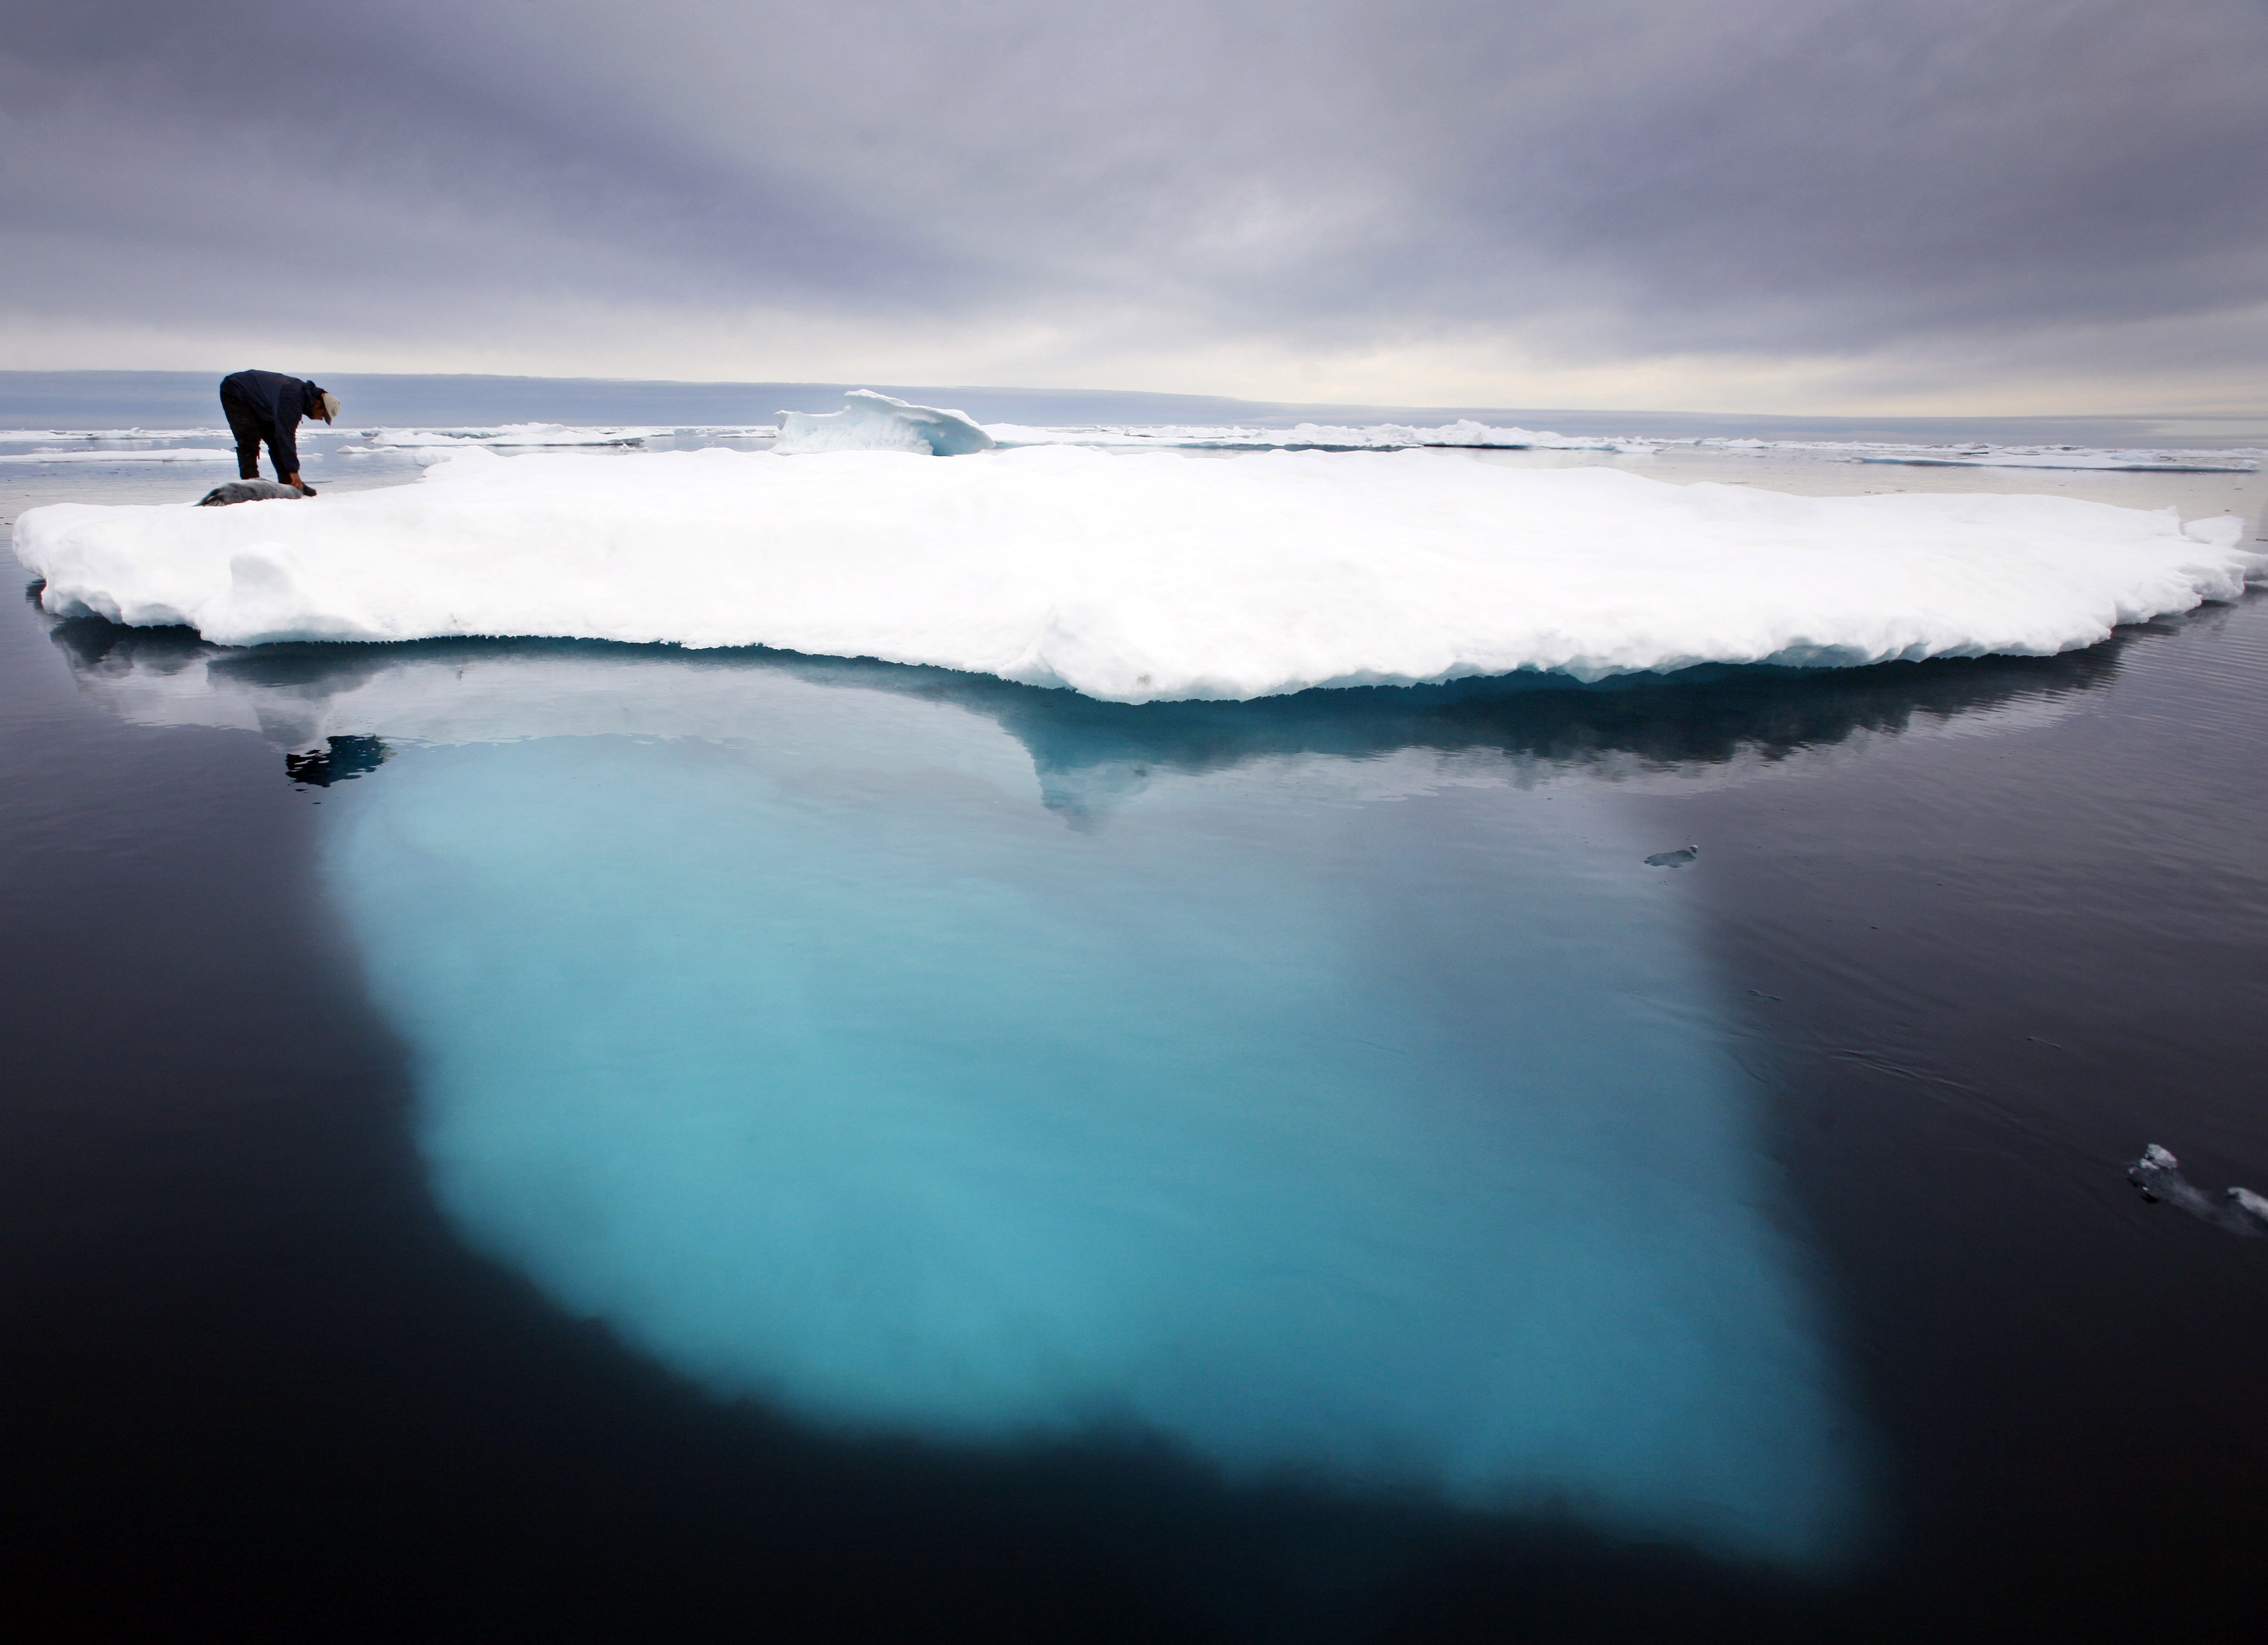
(876, 422)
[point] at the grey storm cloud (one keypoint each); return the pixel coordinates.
(1762, 176)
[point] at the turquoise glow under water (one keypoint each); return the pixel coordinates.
(1383, 1137)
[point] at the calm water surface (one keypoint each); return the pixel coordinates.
(609, 1141)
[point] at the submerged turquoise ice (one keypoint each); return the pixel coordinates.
(1383, 1137)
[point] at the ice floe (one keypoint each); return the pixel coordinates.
(178, 453)
(2110, 460)
(1467, 434)
(518, 436)
(41, 436)
(1462, 435)
(1146, 576)
(869, 421)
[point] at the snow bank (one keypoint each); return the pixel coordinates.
(1145, 575)
(872, 422)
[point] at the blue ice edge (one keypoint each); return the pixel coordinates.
(1390, 1147)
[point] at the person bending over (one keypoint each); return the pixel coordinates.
(267, 406)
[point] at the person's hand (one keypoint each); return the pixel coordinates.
(299, 485)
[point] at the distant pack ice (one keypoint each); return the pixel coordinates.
(872, 422)
(1147, 575)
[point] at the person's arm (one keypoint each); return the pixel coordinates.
(287, 446)
(294, 401)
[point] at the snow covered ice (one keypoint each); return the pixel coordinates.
(1146, 575)
(876, 422)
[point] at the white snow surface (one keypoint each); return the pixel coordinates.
(869, 421)
(1145, 575)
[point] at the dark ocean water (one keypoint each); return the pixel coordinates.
(309, 949)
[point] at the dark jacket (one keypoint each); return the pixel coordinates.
(278, 403)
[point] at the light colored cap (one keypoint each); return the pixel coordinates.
(330, 406)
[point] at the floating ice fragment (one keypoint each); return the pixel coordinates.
(875, 422)
(2157, 1175)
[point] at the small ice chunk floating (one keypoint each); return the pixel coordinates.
(2157, 1175)
(876, 422)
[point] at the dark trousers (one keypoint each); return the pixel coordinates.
(250, 428)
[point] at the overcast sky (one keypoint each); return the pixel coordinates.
(1757, 205)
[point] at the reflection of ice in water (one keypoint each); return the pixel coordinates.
(1387, 1144)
